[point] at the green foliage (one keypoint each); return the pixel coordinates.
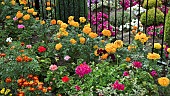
(151, 3)
(76, 8)
(119, 18)
(151, 17)
(167, 29)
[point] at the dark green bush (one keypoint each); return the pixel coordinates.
(76, 8)
(151, 17)
(167, 29)
(151, 3)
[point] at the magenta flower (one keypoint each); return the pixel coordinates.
(29, 46)
(153, 73)
(53, 67)
(77, 87)
(137, 64)
(125, 73)
(67, 58)
(21, 26)
(83, 69)
(118, 86)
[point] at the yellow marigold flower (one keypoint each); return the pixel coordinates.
(64, 25)
(79, 35)
(30, 10)
(157, 45)
(95, 53)
(34, 13)
(110, 48)
(82, 19)
(8, 17)
(65, 33)
(93, 35)
(48, 3)
(42, 22)
(53, 22)
(163, 81)
(23, 2)
(2, 91)
(153, 56)
(26, 17)
(58, 46)
(118, 43)
(75, 24)
(82, 40)
(62, 29)
(128, 59)
(3, 3)
(95, 47)
(19, 14)
(48, 8)
(104, 56)
(102, 41)
(20, 21)
(7, 91)
(106, 32)
(141, 37)
(73, 41)
(59, 22)
(70, 18)
(130, 47)
(87, 30)
(168, 50)
(13, 2)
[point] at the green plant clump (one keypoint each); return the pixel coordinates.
(76, 8)
(119, 18)
(167, 29)
(151, 17)
(151, 3)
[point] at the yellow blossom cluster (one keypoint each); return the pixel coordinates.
(141, 37)
(153, 56)
(157, 45)
(163, 81)
(111, 47)
(72, 22)
(106, 32)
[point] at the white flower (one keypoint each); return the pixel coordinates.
(9, 39)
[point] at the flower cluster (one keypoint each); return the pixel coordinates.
(141, 37)
(126, 3)
(118, 86)
(158, 30)
(83, 69)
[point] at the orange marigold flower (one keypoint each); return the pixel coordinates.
(8, 17)
(93, 35)
(19, 59)
(8, 80)
(19, 14)
(87, 30)
(119, 43)
(73, 41)
(104, 56)
(30, 10)
(128, 59)
(106, 32)
(82, 40)
(53, 22)
(48, 8)
(63, 25)
(163, 81)
(26, 17)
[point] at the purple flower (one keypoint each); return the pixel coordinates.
(153, 73)
(77, 87)
(21, 26)
(125, 73)
(83, 69)
(137, 64)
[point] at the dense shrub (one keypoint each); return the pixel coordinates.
(151, 17)
(151, 3)
(126, 18)
(167, 29)
(76, 8)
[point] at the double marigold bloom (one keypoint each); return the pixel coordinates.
(82, 40)
(26, 17)
(58, 46)
(163, 81)
(106, 33)
(153, 56)
(87, 29)
(141, 37)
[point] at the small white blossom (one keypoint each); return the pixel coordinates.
(9, 39)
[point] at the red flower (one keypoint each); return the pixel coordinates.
(65, 79)
(41, 49)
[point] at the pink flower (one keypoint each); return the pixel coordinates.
(15, 18)
(125, 73)
(118, 86)
(77, 87)
(83, 69)
(28, 46)
(53, 67)
(21, 26)
(137, 64)
(67, 58)
(153, 73)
